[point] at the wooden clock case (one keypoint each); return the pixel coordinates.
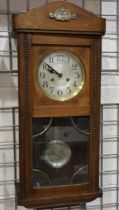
(37, 35)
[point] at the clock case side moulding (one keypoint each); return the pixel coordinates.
(25, 29)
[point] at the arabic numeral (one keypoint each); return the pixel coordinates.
(44, 67)
(60, 58)
(45, 84)
(77, 75)
(68, 59)
(51, 59)
(74, 66)
(60, 92)
(75, 84)
(42, 75)
(69, 90)
(52, 89)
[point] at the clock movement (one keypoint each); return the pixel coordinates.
(59, 62)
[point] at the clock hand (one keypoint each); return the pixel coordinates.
(51, 70)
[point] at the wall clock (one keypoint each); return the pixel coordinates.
(59, 54)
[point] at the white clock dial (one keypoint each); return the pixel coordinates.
(61, 75)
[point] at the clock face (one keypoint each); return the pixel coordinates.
(61, 75)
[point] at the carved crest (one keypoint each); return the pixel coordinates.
(62, 14)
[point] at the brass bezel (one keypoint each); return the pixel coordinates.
(78, 89)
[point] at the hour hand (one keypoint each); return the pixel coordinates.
(51, 70)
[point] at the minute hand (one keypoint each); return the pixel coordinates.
(51, 70)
